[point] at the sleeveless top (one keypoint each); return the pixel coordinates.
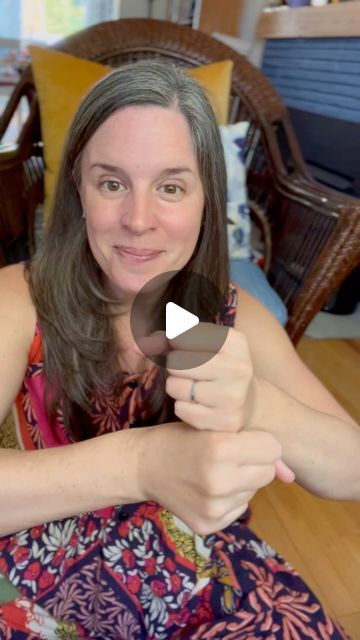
(110, 412)
(139, 572)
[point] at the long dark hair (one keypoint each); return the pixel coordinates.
(74, 310)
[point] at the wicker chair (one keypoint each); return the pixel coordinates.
(312, 233)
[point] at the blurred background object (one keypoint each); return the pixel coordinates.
(298, 3)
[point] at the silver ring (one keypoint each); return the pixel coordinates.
(192, 392)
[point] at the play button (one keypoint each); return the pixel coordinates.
(178, 320)
(180, 312)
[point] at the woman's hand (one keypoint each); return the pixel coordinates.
(206, 478)
(223, 389)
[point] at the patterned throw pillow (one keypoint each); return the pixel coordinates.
(239, 224)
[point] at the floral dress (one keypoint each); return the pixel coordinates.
(135, 571)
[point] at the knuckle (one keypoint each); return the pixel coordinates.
(267, 475)
(169, 385)
(225, 487)
(230, 419)
(213, 447)
(272, 445)
(230, 445)
(233, 422)
(272, 474)
(203, 528)
(178, 409)
(208, 485)
(243, 342)
(220, 445)
(239, 336)
(211, 510)
(244, 366)
(242, 509)
(206, 525)
(219, 485)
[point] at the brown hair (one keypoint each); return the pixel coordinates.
(74, 310)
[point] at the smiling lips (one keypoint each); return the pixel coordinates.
(130, 254)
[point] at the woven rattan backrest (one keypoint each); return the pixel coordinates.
(253, 98)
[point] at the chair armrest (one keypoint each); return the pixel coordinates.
(315, 245)
(13, 219)
(20, 192)
(21, 175)
(315, 235)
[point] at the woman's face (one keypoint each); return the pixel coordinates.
(142, 196)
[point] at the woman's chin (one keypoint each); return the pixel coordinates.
(126, 290)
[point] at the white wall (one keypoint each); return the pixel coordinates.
(251, 13)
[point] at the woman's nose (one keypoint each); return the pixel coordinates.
(138, 213)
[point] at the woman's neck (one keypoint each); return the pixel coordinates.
(130, 358)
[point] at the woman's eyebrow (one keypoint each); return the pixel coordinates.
(107, 167)
(171, 171)
(174, 170)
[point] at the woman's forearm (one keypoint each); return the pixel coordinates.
(322, 450)
(50, 484)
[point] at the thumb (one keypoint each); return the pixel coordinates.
(153, 345)
(283, 472)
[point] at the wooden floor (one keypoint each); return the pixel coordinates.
(320, 538)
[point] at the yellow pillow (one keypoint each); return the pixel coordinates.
(215, 79)
(62, 81)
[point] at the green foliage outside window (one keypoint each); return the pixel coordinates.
(64, 16)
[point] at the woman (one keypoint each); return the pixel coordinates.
(141, 194)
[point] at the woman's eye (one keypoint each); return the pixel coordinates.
(111, 185)
(171, 189)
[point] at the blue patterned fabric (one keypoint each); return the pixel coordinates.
(239, 226)
(243, 268)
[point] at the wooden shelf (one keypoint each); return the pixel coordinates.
(339, 20)
(220, 17)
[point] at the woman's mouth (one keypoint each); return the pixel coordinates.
(135, 256)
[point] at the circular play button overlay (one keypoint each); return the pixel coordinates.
(175, 320)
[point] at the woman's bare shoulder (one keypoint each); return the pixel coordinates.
(13, 281)
(17, 326)
(15, 300)
(267, 339)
